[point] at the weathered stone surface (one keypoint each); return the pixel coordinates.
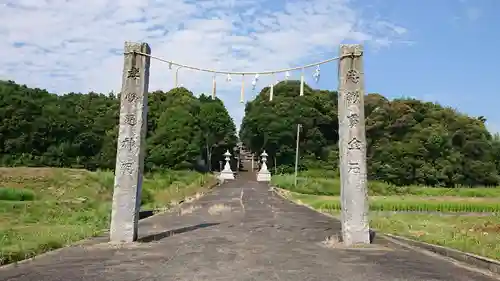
(131, 144)
(352, 147)
(264, 176)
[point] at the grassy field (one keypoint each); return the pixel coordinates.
(411, 203)
(45, 208)
(331, 187)
(431, 213)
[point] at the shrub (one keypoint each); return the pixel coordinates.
(16, 194)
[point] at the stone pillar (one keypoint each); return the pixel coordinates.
(227, 173)
(131, 144)
(352, 146)
(264, 174)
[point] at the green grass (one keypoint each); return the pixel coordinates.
(410, 203)
(16, 194)
(473, 234)
(331, 187)
(44, 208)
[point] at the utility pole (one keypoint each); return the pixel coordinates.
(209, 154)
(275, 169)
(297, 154)
(253, 158)
(239, 159)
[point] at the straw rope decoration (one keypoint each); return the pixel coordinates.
(242, 97)
(271, 92)
(302, 83)
(316, 75)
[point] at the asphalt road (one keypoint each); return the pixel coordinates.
(240, 231)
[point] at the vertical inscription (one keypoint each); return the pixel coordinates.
(127, 168)
(131, 97)
(354, 168)
(133, 73)
(128, 143)
(352, 97)
(131, 141)
(352, 76)
(353, 119)
(130, 119)
(352, 146)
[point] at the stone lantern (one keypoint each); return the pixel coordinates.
(264, 175)
(227, 173)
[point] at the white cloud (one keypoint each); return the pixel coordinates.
(77, 45)
(468, 12)
(472, 13)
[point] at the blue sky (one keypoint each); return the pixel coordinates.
(442, 51)
(453, 60)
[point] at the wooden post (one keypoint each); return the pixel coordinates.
(352, 146)
(131, 144)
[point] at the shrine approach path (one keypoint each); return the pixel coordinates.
(238, 231)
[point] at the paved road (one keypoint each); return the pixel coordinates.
(240, 231)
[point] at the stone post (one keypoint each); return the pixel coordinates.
(253, 156)
(352, 147)
(264, 174)
(227, 173)
(131, 144)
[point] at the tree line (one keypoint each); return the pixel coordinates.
(80, 130)
(408, 141)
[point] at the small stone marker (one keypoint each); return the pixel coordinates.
(131, 144)
(352, 146)
(264, 174)
(227, 173)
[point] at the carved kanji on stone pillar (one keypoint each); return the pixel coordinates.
(131, 144)
(352, 146)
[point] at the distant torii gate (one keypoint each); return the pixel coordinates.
(132, 142)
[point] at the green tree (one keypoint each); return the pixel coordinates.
(271, 125)
(80, 130)
(175, 142)
(218, 131)
(408, 141)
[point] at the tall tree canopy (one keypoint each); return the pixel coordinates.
(409, 141)
(80, 130)
(218, 131)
